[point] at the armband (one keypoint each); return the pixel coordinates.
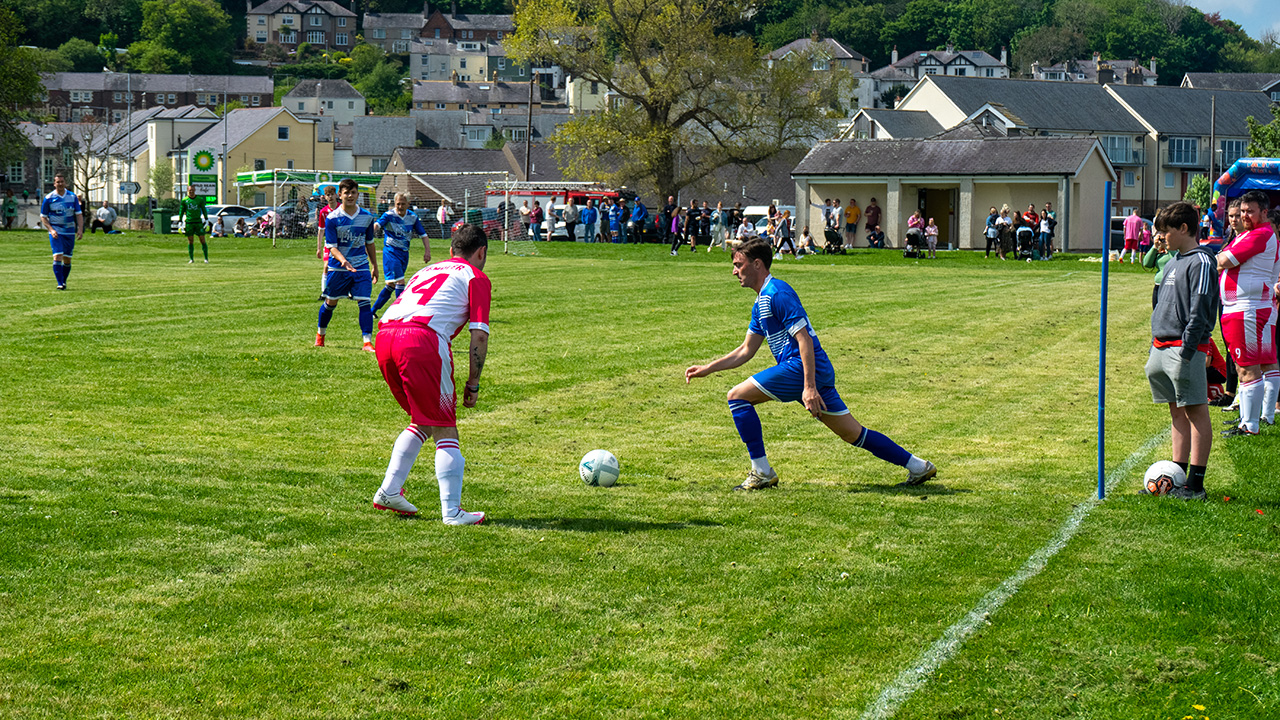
(473, 388)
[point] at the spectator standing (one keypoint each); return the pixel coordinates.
(826, 213)
(718, 235)
(677, 230)
(571, 216)
(785, 242)
(444, 216)
(931, 238)
(1157, 258)
(1044, 237)
(1248, 277)
(1132, 233)
(852, 214)
(639, 218)
(1005, 228)
(665, 217)
(704, 225)
(616, 210)
(837, 215)
(524, 217)
(588, 216)
(624, 216)
(535, 220)
(10, 209)
(871, 216)
(992, 232)
(1030, 218)
(1053, 227)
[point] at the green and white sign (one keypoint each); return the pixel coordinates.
(202, 161)
(206, 185)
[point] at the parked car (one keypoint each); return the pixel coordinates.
(1117, 230)
(229, 214)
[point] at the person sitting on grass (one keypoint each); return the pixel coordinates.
(807, 246)
(104, 218)
(875, 237)
(1181, 328)
(241, 229)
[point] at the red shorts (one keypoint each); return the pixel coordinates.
(418, 367)
(1250, 336)
(1131, 243)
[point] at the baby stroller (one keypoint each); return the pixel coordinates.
(834, 244)
(914, 243)
(1027, 244)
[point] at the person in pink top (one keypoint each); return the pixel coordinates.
(1132, 234)
(1247, 276)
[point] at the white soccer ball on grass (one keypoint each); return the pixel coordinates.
(599, 468)
(1163, 476)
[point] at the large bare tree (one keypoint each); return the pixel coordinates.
(689, 96)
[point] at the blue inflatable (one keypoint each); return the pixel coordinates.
(1244, 175)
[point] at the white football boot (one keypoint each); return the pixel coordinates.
(462, 517)
(395, 503)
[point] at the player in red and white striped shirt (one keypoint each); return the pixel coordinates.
(1248, 271)
(416, 357)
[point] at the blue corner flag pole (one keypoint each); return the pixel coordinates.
(1102, 345)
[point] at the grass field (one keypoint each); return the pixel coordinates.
(186, 532)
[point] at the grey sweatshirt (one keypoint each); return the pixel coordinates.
(1187, 304)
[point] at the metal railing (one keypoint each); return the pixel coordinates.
(1185, 158)
(1127, 156)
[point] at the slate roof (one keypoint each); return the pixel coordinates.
(902, 124)
(454, 47)
(342, 136)
(60, 131)
(1187, 111)
(1009, 156)
(446, 91)
(465, 21)
(379, 136)
(454, 187)
(833, 48)
(241, 123)
(1230, 81)
(970, 130)
(1074, 107)
(141, 82)
(394, 20)
(977, 57)
(324, 89)
(271, 7)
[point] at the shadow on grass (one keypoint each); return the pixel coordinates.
(918, 490)
(597, 524)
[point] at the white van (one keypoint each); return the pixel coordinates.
(758, 215)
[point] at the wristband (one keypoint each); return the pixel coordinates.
(473, 388)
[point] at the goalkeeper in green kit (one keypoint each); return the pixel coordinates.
(194, 216)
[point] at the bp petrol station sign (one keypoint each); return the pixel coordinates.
(204, 175)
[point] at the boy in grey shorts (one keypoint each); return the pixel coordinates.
(1181, 328)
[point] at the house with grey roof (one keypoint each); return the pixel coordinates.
(826, 53)
(393, 31)
(331, 98)
(1268, 83)
(288, 23)
(1097, 70)
(885, 124)
(454, 25)
(955, 182)
(1190, 132)
(366, 145)
(958, 63)
(109, 97)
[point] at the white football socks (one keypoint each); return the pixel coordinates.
(449, 465)
(916, 465)
(1270, 393)
(403, 454)
(761, 465)
(1251, 405)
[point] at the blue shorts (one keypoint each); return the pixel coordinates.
(64, 243)
(394, 262)
(340, 282)
(785, 383)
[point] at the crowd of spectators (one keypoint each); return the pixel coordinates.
(1027, 235)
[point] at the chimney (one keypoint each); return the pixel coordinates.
(1106, 75)
(1097, 57)
(951, 49)
(1035, 70)
(1004, 55)
(495, 76)
(453, 8)
(894, 60)
(1153, 66)
(426, 8)
(248, 6)
(813, 34)
(453, 78)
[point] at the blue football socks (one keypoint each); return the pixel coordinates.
(748, 424)
(326, 314)
(366, 317)
(882, 447)
(383, 297)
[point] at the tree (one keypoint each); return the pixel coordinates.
(21, 88)
(185, 35)
(1264, 140)
(91, 162)
(382, 84)
(691, 98)
(161, 178)
(82, 55)
(858, 26)
(364, 58)
(1047, 46)
(1198, 191)
(889, 98)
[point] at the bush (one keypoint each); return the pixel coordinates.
(170, 205)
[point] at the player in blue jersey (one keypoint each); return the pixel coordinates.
(398, 226)
(803, 374)
(60, 213)
(348, 233)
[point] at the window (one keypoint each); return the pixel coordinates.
(17, 171)
(521, 71)
(1184, 150)
(302, 106)
(425, 73)
(289, 37)
(1129, 178)
(400, 46)
(117, 97)
(819, 64)
(66, 155)
(46, 177)
(117, 115)
(931, 71)
(479, 134)
(259, 165)
(440, 106)
(1118, 148)
(160, 98)
(262, 19)
(405, 34)
(244, 99)
(81, 96)
(288, 164)
(379, 33)
(960, 72)
(1232, 150)
(1275, 96)
(282, 132)
(462, 63)
(340, 39)
(315, 37)
(514, 134)
(329, 104)
(379, 164)
(502, 63)
(257, 100)
(342, 22)
(437, 33)
(172, 98)
(595, 88)
(351, 104)
(443, 66)
(1168, 179)
(316, 21)
(261, 37)
(286, 19)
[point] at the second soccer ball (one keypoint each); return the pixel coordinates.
(1162, 477)
(599, 468)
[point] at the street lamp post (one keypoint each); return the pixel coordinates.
(43, 180)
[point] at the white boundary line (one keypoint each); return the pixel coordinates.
(947, 646)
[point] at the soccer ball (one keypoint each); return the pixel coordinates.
(599, 468)
(1163, 476)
